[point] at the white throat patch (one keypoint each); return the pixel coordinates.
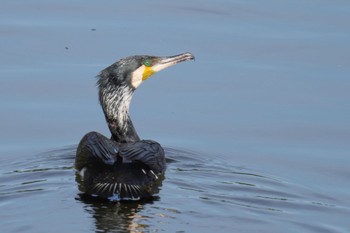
(136, 77)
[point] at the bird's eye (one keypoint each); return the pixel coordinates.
(147, 62)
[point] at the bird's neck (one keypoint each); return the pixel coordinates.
(115, 102)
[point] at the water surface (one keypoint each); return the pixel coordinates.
(257, 127)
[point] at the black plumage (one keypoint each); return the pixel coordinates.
(123, 167)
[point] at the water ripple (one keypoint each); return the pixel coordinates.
(197, 188)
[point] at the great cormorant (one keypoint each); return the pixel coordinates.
(123, 167)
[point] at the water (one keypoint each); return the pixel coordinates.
(257, 127)
(199, 194)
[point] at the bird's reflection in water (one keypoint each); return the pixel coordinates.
(117, 216)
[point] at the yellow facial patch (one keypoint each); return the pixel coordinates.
(147, 72)
(141, 74)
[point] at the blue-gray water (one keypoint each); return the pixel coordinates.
(258, 126)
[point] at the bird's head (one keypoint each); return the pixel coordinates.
(132, 71)
(116, 86)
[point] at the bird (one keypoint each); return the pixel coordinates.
(122, 167)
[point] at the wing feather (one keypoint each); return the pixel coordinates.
(95, 147)
(147, 152)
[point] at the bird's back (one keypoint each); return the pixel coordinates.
(119, 171)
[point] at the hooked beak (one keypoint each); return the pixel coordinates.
(159, 63)
(166, 62)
